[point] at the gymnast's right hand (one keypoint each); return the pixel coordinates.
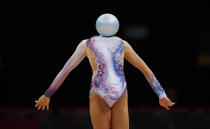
(42, 103)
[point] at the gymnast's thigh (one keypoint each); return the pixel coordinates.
(120, 116)
(100, 113)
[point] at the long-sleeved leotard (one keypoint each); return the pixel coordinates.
(106, 56)
(79, 54)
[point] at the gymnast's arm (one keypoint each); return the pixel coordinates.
(74, 60)
(132, 57)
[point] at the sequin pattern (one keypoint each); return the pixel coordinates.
(158, 89)
(117, 62)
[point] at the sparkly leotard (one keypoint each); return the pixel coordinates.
(108, 79)
(106, 56)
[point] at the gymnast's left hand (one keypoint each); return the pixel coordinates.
(166, 102)
(42, 103)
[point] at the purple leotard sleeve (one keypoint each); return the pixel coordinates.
(75, 59)
(157, 88)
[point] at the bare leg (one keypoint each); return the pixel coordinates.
(120, 117)
(100, 113)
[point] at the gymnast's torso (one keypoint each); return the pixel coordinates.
(106, 57)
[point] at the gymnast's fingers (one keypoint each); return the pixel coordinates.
(47, 107)
(166, 107)
(170, 103)
(43, 107)
(39, 107)
(36, 104)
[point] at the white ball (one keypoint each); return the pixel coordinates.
(107, 25)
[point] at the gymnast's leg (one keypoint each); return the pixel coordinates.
(120, 117)
(100, 113)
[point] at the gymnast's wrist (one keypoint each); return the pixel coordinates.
(162, 96)
(47, 95)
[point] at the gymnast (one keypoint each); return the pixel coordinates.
(108, 92)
